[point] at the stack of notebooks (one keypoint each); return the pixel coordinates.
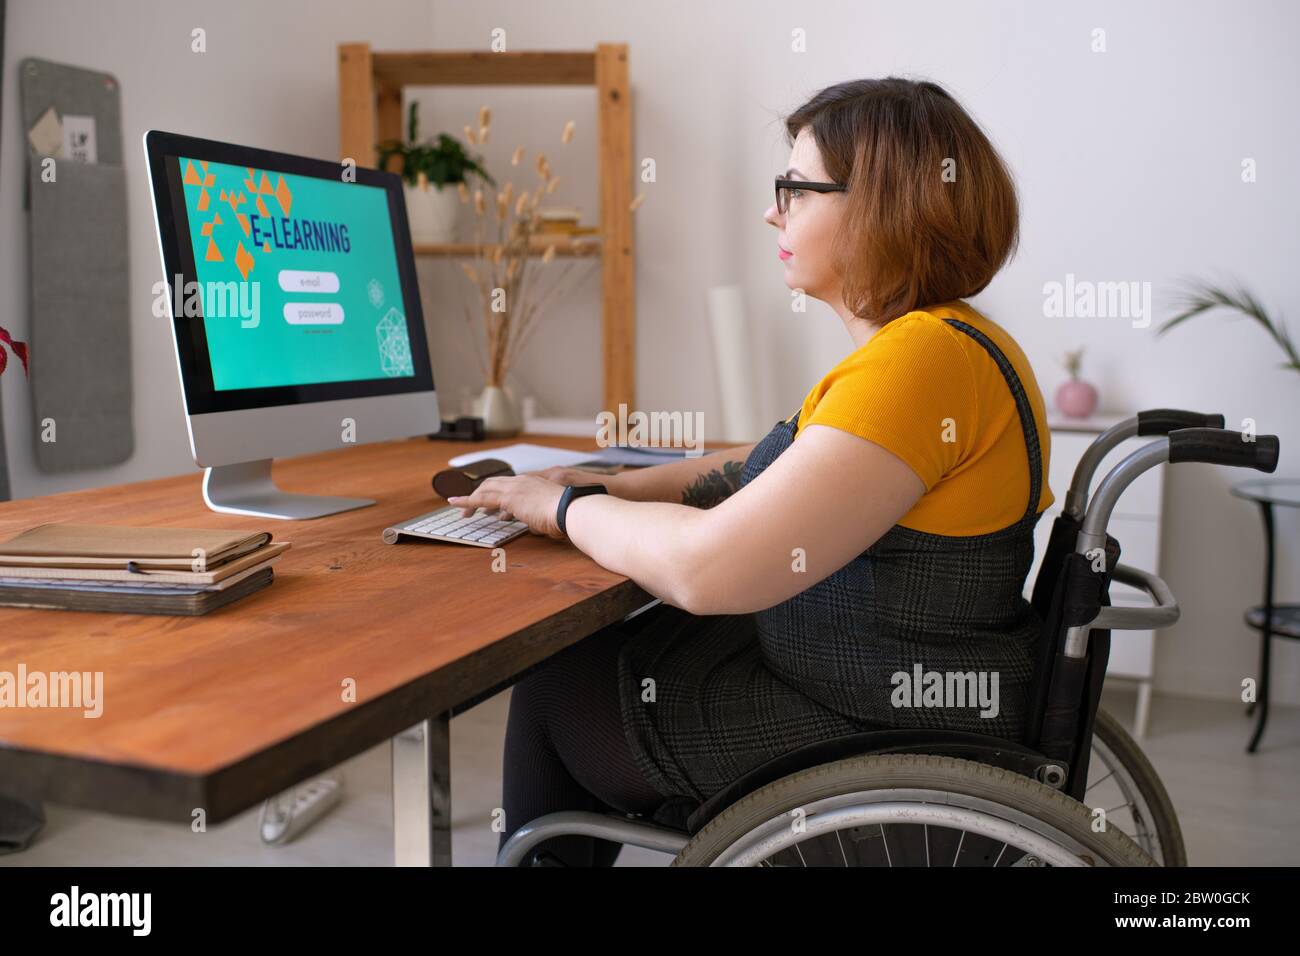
(134, 570)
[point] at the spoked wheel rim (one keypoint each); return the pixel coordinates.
(884, 810)
(1019, 835)
(1129, 811)
(1122, 781)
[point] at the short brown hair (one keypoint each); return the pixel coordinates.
(910, 237)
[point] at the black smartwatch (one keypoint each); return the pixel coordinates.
(572, 492)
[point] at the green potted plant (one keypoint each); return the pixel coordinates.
(428, 170)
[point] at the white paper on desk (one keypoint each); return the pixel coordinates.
(525, 457)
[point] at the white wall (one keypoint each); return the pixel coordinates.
(1128, 163)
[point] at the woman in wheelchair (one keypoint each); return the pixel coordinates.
(882, 531)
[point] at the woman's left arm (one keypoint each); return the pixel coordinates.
(821, 503)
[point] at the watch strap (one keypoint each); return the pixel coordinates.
(570, 493)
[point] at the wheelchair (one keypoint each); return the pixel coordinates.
(1076, 792)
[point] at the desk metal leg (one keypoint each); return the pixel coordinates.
(422, 794)
(1266, 632)
(422, 789)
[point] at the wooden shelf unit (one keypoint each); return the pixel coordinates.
(370, 110)
(586, 247)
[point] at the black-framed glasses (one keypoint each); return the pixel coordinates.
(785, 186)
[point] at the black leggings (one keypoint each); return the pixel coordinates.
(565, 748)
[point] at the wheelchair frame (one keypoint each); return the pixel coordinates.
(1071, 593)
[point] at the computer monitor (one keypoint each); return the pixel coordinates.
(295, 313)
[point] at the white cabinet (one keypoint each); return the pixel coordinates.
(1135, 523)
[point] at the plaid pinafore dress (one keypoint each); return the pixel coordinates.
(705, 699)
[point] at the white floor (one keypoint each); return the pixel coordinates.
(1235, 808)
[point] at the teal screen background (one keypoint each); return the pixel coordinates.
(370, 343)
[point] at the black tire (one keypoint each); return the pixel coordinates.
(1160, 809)
(912, 771)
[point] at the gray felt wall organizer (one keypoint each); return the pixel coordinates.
(80, 332)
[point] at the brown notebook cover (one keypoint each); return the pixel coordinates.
(186, 604)
(114, 546)
(268, 552)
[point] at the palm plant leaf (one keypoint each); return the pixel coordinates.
(1199, 297)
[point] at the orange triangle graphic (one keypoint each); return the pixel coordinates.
(243, 261)
(283, 196)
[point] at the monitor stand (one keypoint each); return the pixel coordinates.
(247, 489)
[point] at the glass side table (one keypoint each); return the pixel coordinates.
(1270, 619)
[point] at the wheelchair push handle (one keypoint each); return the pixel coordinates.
(1219, 447)
(1162, 421)
(1154, 421)
(1212, 445)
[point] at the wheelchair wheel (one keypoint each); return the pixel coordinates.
(907, 810)
(1123, 782)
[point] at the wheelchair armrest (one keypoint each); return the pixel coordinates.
(1162, 612)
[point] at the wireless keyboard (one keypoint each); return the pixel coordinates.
(480, 529)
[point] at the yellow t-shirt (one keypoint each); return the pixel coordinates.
(934, 397)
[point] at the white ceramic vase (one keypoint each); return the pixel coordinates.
(500, 413)
(432, 212)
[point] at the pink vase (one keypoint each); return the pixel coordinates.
(1076, 399)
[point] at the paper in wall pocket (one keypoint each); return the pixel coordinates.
(46, 135)
(79, 139)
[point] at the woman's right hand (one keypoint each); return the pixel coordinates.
(579, 476)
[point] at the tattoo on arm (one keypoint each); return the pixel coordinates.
(709, 490)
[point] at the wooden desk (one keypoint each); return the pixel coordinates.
(222, 711)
